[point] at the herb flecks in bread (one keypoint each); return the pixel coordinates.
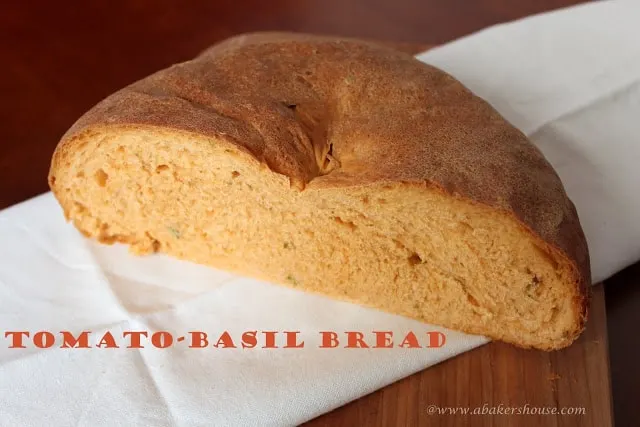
(337, 167)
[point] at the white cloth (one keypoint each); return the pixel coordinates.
(569, 79)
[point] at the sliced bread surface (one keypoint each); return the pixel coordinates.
(338, 167)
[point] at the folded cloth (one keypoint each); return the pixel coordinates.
(569, 79)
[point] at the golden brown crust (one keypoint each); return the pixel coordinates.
(329, 112)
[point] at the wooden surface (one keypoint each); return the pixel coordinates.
(493, 375)
(58, 60)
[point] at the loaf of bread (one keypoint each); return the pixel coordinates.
(339, 167)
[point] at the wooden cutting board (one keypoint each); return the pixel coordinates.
(493, 376)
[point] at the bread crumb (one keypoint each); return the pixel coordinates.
(553, 376)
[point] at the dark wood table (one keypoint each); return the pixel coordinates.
(58, 59)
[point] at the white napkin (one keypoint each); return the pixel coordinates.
(569, 79)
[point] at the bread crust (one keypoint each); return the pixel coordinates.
(333, 112)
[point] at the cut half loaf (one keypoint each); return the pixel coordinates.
(338, 167)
